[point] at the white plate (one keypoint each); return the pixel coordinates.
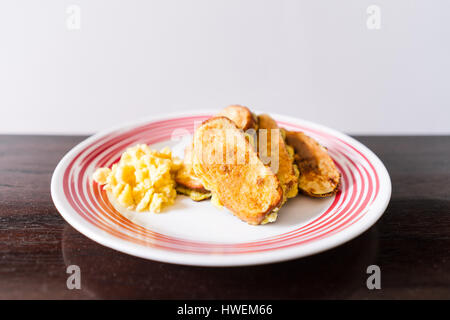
(197, 233)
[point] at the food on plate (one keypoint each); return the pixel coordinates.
(319, 176)
(241, 161)
(143, 179)
(285, 168)
(241, 116)
(187, 182)
(196, 195)
(228, 166)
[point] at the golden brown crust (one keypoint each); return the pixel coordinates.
(186, 179)
(319, 176)
(240, 115)
(247, 188)
(186, 176)
(286, 173)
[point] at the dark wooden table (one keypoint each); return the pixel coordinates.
(410, 243)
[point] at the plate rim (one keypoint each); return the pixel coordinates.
(220, 260)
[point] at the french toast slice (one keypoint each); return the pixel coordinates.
(286, 170)
(194, 194)
(241, 116)
(229, 167)
(319, 176)
(187, 182)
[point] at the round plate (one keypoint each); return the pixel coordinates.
(197, 233)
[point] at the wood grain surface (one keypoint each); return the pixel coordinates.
(410, 243)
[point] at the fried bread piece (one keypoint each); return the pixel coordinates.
(319, 176)
(185, 175)
(228, 166)
(187, 181)
(241, 116)
(287, 171)
(196, 195)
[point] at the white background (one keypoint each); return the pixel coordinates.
(312, 59)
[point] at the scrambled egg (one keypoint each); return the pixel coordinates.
(143, 179)
(271, 217)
